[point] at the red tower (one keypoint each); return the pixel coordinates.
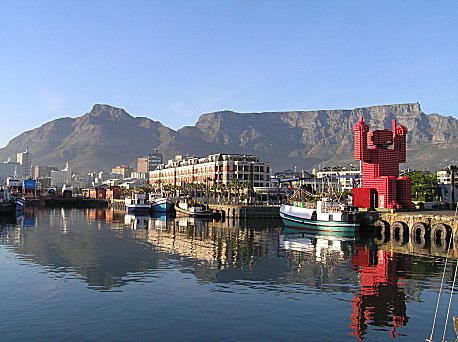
(381, 152)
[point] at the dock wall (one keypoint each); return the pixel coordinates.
(433, 232)
(245, 211)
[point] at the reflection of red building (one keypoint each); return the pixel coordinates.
(382, 187)
(380, 301)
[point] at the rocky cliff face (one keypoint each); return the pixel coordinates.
(107, 136)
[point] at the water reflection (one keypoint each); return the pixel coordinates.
(381, 301)
(108, 249)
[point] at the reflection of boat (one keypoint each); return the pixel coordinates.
(319, 245)
(195, 210)
(159, 220)
(329, 235)
(20, 202)
(324, 215)
(137, 203)
(137, 221)
(160, 203)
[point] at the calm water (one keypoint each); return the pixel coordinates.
(97, 275)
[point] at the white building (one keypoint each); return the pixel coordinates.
(132, 183)
(61, 178)
(23, 158)
(445, 178)
(340, 178)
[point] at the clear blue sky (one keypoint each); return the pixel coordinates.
(173, 60)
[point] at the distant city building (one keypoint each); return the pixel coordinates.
(61, 178)
(123, 170)
(444, 177)
(82, 181)
(340, 178)
(39, 171)
(8, 169)
(213, 169)
(445, 180)
(139, 175)
(23, 158)
(44, 182)
(149, 162)
(101, 177)
(132, 183)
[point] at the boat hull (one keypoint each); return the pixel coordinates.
(138, 208)
(202, 213)
(7, 209)
(161, 205)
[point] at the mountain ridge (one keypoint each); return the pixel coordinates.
(107, 136)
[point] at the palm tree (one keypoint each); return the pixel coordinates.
(452, 170)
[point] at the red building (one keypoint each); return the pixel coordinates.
(380, 153)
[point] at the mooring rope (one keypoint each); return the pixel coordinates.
(450, 302)
(454, 281)
(442, 284)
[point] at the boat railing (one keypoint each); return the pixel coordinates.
(333, 207)
(308, 205)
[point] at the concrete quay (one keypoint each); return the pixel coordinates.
(226, 211)
(75, 203)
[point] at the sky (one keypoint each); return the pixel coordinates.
(174, 60)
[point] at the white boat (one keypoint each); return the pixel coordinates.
(160, 204)
(324, 215)
(137, 203)
(194, 210)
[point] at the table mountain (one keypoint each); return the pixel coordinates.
(108, 136)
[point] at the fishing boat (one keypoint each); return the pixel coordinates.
(314, 213)
(14, 186)
(192, 209)
(137, 202)
(160, 204)
(7, 203)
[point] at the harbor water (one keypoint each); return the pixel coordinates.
(101, 275)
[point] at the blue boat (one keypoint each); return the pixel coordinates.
(160, 204)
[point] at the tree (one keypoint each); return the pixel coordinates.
(452, 170)
(424, 185)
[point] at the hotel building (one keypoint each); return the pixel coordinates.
(213, 169)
